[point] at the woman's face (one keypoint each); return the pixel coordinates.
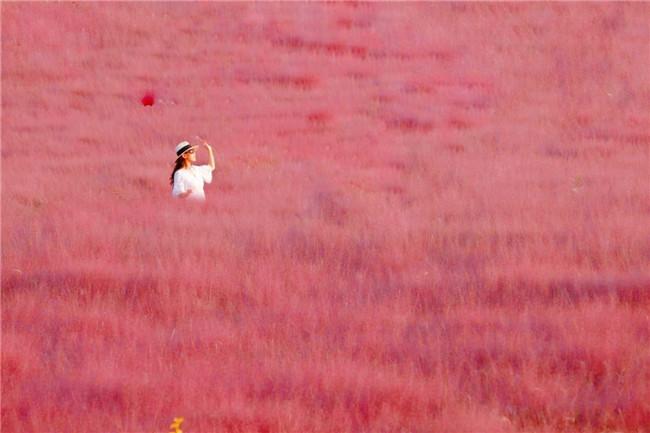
(190, 155)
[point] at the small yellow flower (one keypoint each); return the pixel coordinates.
(175, 426)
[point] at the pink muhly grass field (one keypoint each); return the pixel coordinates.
(426, 217)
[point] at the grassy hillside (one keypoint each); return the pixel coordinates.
(425, 217)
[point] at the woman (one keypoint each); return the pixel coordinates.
(187, 179)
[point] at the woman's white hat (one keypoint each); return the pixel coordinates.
(183, 147)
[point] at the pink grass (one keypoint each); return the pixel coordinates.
(425, 217)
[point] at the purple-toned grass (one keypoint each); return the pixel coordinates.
(425, 217)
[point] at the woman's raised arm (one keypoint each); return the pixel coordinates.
(207, 146)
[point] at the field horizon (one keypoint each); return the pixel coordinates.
(425, 217)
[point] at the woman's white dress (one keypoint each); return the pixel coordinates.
(192, 178)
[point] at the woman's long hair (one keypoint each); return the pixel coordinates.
(180, 163)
